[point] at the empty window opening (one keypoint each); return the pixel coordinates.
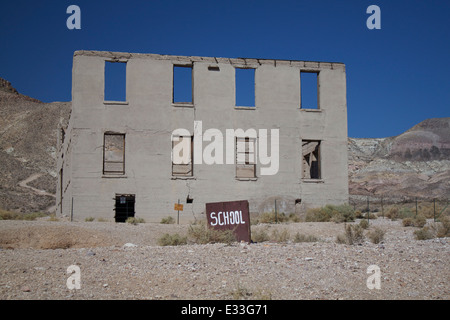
(124, 207)
(114, 153)
(309, 84)
(213, 68)
(245, 87)
(115, 81)
(183, 156)
(189, 199)
(182, 84)
(245, 158)
(311, 159)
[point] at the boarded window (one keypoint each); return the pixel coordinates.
(182, 156)
(182, 84)
(114, 153)
(311, 159)
(245, 158)
(115, 81)
(309, 84)
(245, 87)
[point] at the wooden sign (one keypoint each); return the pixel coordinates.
(178, 207)
(231, 215)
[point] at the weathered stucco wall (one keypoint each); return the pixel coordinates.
(149, 117)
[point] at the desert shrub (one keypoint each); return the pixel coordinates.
(172, 240)
(89, 219)
(408, 222)
(11, 215)
(442, 228)
(392, 213)
(134, 220)
(364, 224)
(280, 236)
(201, 234)
(317, 215)
(305, 238)
(423, 234)
(418, 221)
(376, 235)
(260, 235)
(340, 213)
(372, 216)
(405, 212)
(168, 220)
(354, 234)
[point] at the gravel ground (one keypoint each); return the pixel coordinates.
(123, 261)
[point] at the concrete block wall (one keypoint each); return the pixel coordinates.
(148, 118)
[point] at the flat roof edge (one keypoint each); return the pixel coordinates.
(235, 61)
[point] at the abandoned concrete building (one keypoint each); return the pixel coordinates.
(116, 155)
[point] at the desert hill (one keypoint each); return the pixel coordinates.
(28, 133)
(415, 163)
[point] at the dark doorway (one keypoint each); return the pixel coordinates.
(124, 207)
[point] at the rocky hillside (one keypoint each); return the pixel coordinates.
(28, 133)
(415, 163)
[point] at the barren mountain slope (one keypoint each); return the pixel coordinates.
(414, 163)
(28, 132)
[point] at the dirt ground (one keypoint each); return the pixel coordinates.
(124, 261)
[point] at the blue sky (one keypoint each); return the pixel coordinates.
(396, 76)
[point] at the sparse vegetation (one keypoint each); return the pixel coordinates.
(341, 213)
(168, 220)
(435, 230)
(12, 215)
(423, 234)
(280, 236)
(89, 219)
(304, 238)
(418, 221)
(364, 223)
(354, 234)
(260, 235)
(376, 235)
(134, 220)
(172, 240)
(201, 234)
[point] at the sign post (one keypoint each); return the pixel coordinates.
(231, 215)
(178, 207)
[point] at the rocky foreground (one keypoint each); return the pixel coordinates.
(122, 261)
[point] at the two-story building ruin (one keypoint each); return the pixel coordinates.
(119, 155)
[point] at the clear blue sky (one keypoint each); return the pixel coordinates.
(396, 76)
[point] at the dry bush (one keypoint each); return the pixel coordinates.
(354, 234)
(172, 240)
(341, 213)
(418, 221)
(376, 235)
(201, 234)
(304, 238)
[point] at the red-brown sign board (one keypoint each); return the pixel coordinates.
(230, 215)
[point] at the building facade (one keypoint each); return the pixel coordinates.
(195, 130)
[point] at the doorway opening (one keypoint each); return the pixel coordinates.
(124, 207)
